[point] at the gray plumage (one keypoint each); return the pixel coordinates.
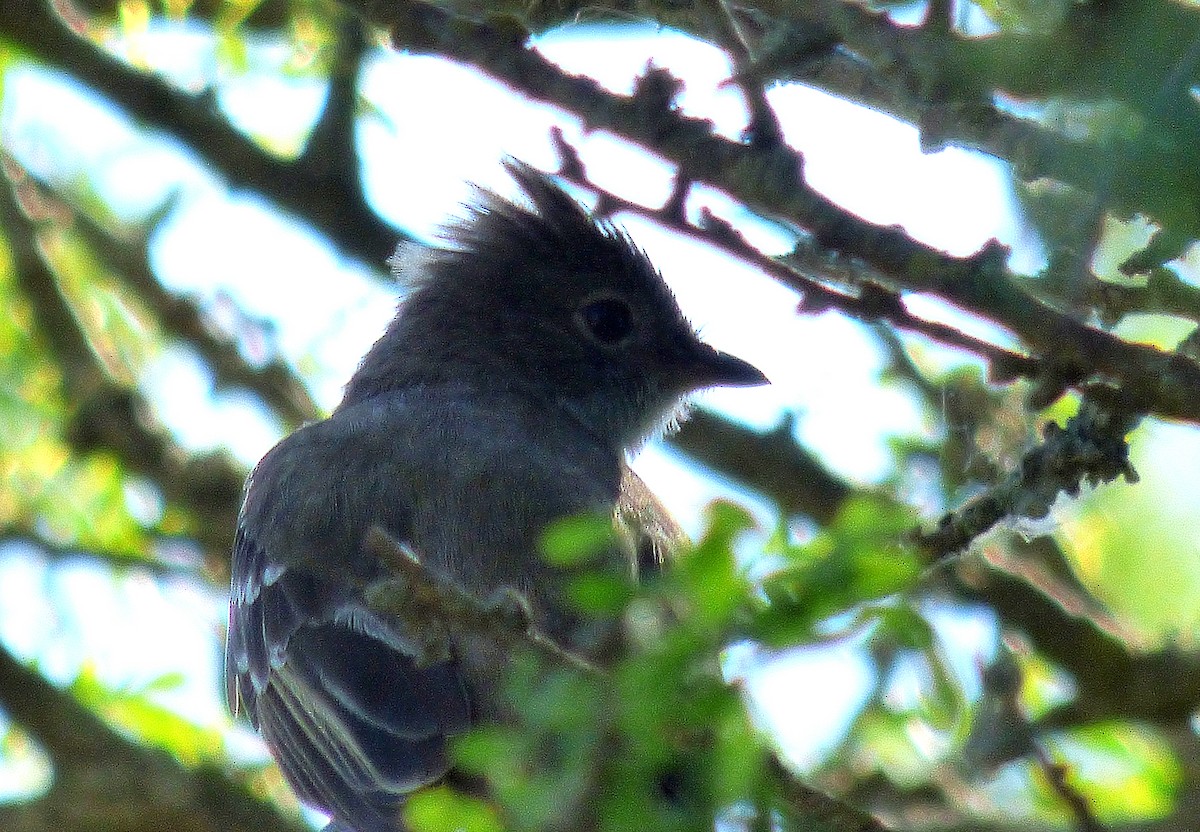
(530, 356)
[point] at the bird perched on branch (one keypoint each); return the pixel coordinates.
(530, 356)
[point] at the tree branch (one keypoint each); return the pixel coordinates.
(326, 192)
(807, 268)
(116, 561)
(1091, 448)
(770, 180)
(108, 416)
(127, 255)
(104, 780)
(1161, 687)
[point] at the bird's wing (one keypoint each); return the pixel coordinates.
(654, 534)
(353, 721)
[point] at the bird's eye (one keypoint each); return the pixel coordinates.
(608, 320)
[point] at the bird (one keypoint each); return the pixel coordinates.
(532, 352)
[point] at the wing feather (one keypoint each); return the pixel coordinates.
(352, 719)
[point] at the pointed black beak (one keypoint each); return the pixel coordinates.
(714, 368)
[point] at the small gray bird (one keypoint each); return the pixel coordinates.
(531, 355)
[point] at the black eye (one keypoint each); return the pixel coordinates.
(608, 319)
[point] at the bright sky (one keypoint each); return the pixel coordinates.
(327, 311)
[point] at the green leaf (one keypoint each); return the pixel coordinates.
(708, 575)
(576, 540)
(739, 757)
(145, 719)
(598, 593)
(942, 704)
(1128, 772)
(905, 626)
(440, 809)
(858, 559)
(482, 747)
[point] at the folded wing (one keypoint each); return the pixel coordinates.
(353, 721)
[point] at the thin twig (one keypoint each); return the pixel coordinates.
(1077, 803)
(871, 303)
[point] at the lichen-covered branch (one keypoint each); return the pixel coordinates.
(1090, 449)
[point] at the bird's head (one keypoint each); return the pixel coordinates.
(543, 300)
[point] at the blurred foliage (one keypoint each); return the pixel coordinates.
(136, 710)
(48, 489)
(657, 742)
(1128, 770)
(1135, 548)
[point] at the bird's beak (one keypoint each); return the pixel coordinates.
(713, 368)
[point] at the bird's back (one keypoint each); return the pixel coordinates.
(468, 481)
